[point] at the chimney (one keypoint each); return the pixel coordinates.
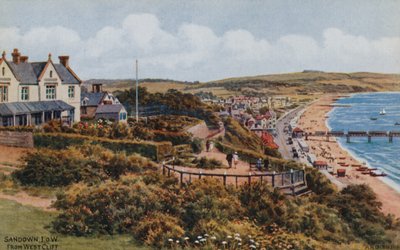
(97, 88)
(16, 56)
(64, 60)
(24, 59)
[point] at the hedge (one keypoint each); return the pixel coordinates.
(176, 138)
(153, 150)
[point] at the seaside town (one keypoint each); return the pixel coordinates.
(228, 158)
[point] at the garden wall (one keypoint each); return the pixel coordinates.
(16, 139)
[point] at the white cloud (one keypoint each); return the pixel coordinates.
(196, 52)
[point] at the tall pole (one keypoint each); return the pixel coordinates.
(137, 93)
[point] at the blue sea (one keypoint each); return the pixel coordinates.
(379, 153)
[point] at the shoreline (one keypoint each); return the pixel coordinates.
(315, 118)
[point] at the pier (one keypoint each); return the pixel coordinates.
(368, 134)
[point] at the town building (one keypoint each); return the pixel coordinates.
(32, 93)
(101, 104)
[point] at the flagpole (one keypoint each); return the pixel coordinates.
(137, 92)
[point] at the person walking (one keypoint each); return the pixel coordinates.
(235, 159)
(259, 164)
(229, 158)
(211, 145)
(266, 164)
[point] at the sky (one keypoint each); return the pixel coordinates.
(205, 40)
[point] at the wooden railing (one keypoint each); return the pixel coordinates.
(283, 180)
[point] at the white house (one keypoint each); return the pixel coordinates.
(32, 93)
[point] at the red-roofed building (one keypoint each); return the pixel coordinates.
(321, 164)
(268, 140)
(297, 132)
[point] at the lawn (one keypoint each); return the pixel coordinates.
(24, 221)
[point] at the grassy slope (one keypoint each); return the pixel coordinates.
(18, 220)
(280, 84)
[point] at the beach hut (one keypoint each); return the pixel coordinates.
(321, 164)
(341, 173)
(297, 132)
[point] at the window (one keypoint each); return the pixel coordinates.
(122, 116)
(25, 93)
(3, 93)
(7, 121)
(71, 91)
(50, 92)
(3, 71)
(36, 119)
(51, 74)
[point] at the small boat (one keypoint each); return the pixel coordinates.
(383, 112)
(378, 173)
(373, 118)
(397, 124)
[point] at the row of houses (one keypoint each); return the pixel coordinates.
(33, 93)
(246, 110)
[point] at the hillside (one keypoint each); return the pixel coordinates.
(306, 82)
(152, 85)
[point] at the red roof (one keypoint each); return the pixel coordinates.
(320, 163)
(268, 140)
(297, 129)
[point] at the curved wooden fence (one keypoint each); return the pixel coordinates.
(283, 180)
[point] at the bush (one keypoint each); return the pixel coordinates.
(207, 163)
(86, 163)
(157, 228)
(152, 150)
(196, 145)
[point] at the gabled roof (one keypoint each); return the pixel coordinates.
(38, 68)
(66, 74)
(31, 73)
(15, 108)
(94, 99)
(109, 108)
(23, 72)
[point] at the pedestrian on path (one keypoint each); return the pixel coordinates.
(211, 145)
(208, 146)
(259, 164)
(266, 164)
(229, 158)
(235, 159)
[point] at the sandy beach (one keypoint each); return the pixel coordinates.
(314, 119)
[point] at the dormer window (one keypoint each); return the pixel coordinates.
(51, 73)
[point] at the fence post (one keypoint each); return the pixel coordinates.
(261, 180)
(273, 179)
(224, 179)
(200, 175)
(169, 172)
(283, 179)
(181, 173)
(236, 181)
(291, 176)
(190, 178)
(163, 168)
(249, 178)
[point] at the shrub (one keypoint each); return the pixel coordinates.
(86, 163)
(207, 163)
(152, 150)
(196, 145)
(157, 228)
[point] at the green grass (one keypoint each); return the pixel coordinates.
(19, 220)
